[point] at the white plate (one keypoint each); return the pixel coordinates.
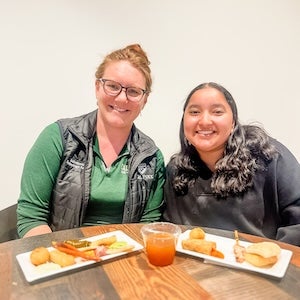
(225, 245)
(32, 273)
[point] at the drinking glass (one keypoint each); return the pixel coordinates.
(160, 239)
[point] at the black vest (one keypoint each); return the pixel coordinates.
(71, 192)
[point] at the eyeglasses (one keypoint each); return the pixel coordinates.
(113, 88)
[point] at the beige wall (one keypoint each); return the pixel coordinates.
(50, 49)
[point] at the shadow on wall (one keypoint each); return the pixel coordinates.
(8, 224)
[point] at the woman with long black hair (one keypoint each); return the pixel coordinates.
(231, 176)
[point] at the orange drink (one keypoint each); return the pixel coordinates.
(160, 240)
(160, 248)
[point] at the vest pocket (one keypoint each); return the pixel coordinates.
(66, 205)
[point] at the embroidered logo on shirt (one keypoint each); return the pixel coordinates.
(124, 169)
(142, 168)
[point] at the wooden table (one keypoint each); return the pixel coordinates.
(132, 277)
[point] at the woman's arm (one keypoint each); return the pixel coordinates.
(41, 229)
(39, 175)
(288, 189)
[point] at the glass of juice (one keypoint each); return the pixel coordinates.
(160, 240)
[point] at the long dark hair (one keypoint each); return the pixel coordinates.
(248, 150)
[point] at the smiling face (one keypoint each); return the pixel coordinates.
(118, 111)
(208, 122)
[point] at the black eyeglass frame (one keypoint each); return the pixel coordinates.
(103, 81)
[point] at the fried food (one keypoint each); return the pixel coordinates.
(262, 254)
(196, 242)
(197, 233)
(39, 256)
(61, 258)
(198, 245)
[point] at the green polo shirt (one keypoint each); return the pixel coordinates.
(107, 198)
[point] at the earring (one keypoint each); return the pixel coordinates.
(186, 141)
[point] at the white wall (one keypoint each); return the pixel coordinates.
(50, 50)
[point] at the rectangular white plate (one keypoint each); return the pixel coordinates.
(225, 245)
(32, 274)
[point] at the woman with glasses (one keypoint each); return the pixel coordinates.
(231, 176)
(97, 168)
